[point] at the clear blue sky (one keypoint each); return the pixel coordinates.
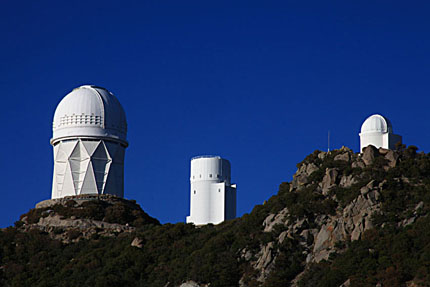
(257, 82)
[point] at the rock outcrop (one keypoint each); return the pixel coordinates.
(73, 218)
(322, 234)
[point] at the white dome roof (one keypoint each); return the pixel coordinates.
(89, 111)
(376, 124)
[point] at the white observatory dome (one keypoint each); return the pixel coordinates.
(376, 124)
(90, 111)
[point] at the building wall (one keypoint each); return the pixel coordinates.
(200, 202)
(377, 139)
(218, 199)
(88, 166)
(214, 169)
(230, 200)
(394, 139)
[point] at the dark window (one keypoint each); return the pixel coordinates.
(194, 192)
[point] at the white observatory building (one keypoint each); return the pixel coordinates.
(213, 197)
(378, 131)
(89, 140)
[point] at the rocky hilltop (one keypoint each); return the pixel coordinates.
(74, 218)
(338, 196)
(346, 219)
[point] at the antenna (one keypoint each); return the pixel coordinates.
(328, 141)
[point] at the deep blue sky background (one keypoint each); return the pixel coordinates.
(257, 82)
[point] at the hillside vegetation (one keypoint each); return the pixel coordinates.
(346, 219)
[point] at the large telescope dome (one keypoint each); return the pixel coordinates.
(376, 124)
(90, 111)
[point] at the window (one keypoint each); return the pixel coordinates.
(194, 192)
(219, 189)
(217, 176)
(193, 176)
(200, 176)
(210, 175)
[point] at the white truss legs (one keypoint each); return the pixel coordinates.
(84, 166)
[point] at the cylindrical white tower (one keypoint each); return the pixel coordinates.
(213, 197)
(89, 140)
(378, 131)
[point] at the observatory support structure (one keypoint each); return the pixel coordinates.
(88, 166)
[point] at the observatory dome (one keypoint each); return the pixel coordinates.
(90, 111)
(376, 124)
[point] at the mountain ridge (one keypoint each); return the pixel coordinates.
(324, 228)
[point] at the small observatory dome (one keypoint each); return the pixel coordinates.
(376, 124)
(378, 131)
(90, 111)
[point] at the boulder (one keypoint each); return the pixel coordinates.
(347, 283)
(358, 230)
(383, 151)
(343, 157)
(392, 158)
(374, 195)
(322, 155)
(347, 181)
(365, 189)
(268, 220)
(137, 242)
(273, 219)
(189, 284)
(308, 235)
(246, 254)
(407, 221)
(419, 206)
(282, 236)
(299, 180)
(369, 154)
(300, 225)
(322, 240)
(413, 284)
(329, 179)
(301, 177)
(265, 257)
(310, 168)
(358, 164)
